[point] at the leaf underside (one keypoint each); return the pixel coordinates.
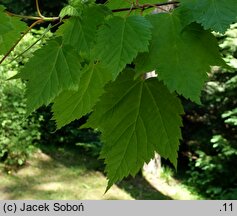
(180, 56)
(71, 105)
(80, 32)
(119, 41)
(84, 69)
(51, 70)
(216, 15)
(136, 118)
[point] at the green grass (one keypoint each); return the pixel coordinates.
(63, 177)
(68, 174)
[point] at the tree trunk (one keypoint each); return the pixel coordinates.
(154, 166)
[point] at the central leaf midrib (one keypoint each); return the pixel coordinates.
(50, 74)
(121, 45)
(160, 115)
(133, 124)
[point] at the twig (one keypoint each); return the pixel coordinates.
(22, 16)
(145, 6)
(44, 19)
(159, 7)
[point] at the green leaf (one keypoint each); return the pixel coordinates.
(80, 32)
(10, 30)
(53, 68)
(75, 7)
(212, 14)
(5, 26)
(136, 118)
(71, 105)
(115, 4)
(77, 3)
(120, 40)
(69, 11)
(181, 56)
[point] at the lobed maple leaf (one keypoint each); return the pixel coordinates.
(80, 32)
(51, 70)
(216, 15)
(120, 40)
(136, 118)
(181, 56)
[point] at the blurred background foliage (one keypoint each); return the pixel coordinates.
(27, 7)
(208, 152)
(49, 7)
(20, 134)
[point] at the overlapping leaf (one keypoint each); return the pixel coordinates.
(136, 118)
(212, 14)
(120, 40)
(53, 68)
(80, 32)
(10, 30)
(71, 105)
(181, 56)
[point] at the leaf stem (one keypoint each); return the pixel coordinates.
(42, 16)
(38, 9)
